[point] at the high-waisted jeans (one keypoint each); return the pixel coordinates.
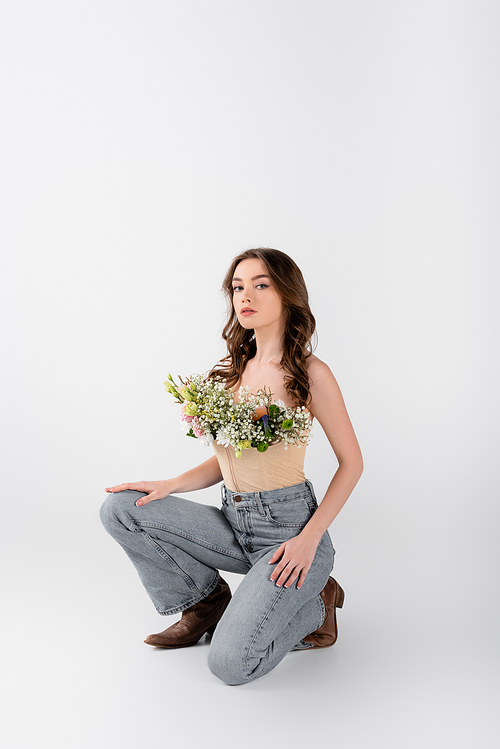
(178, 546)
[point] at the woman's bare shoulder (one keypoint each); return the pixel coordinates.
(318, 371)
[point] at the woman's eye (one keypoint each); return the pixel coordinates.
(258, 286)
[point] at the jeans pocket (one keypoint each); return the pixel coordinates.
(290, 513)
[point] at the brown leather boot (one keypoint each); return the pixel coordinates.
(195, 621)
(333, 597)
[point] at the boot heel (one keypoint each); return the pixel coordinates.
(211, 630)
(339, 599)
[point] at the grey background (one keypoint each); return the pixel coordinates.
(143, 146)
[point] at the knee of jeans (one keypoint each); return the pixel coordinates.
(114, 509)
(227, 666)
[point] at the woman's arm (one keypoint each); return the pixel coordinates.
(327, 406)
(206, 474)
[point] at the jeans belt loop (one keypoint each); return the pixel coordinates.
(259, 504)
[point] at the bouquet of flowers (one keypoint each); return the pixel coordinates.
(209, 412)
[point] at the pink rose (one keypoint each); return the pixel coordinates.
(196, 428)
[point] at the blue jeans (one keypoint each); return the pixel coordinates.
(177, 546)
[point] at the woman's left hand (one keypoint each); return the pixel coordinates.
(295, 558)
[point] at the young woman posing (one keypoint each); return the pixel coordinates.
(269, 527)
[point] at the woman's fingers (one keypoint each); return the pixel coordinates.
(290, 574)
(278, 570)
(287, 576)
(302, 578)
(288, 567)
(138, 486)
(280, 556)
(284, 567)
(277, 554)
(152, 489)
(292, 578)
(148, 498)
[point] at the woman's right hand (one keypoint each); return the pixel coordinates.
(204, 475)
(153, 490)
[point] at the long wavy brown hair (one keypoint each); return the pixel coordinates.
(299, 325)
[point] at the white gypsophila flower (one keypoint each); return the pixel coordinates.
(206, 439)
(185, 426)
(235, 422)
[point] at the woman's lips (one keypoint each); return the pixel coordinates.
(246, 312)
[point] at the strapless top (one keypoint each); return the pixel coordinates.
(258, 472)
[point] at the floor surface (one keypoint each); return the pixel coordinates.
(402, 674)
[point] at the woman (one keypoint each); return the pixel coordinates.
(269, 528)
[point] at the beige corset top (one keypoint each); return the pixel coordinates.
(256, 471)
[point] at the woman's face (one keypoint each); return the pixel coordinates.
(256, 302)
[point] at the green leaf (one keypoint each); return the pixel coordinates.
(191, 434)
(273, 409)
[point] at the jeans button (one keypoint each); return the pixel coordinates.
(237, 498)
